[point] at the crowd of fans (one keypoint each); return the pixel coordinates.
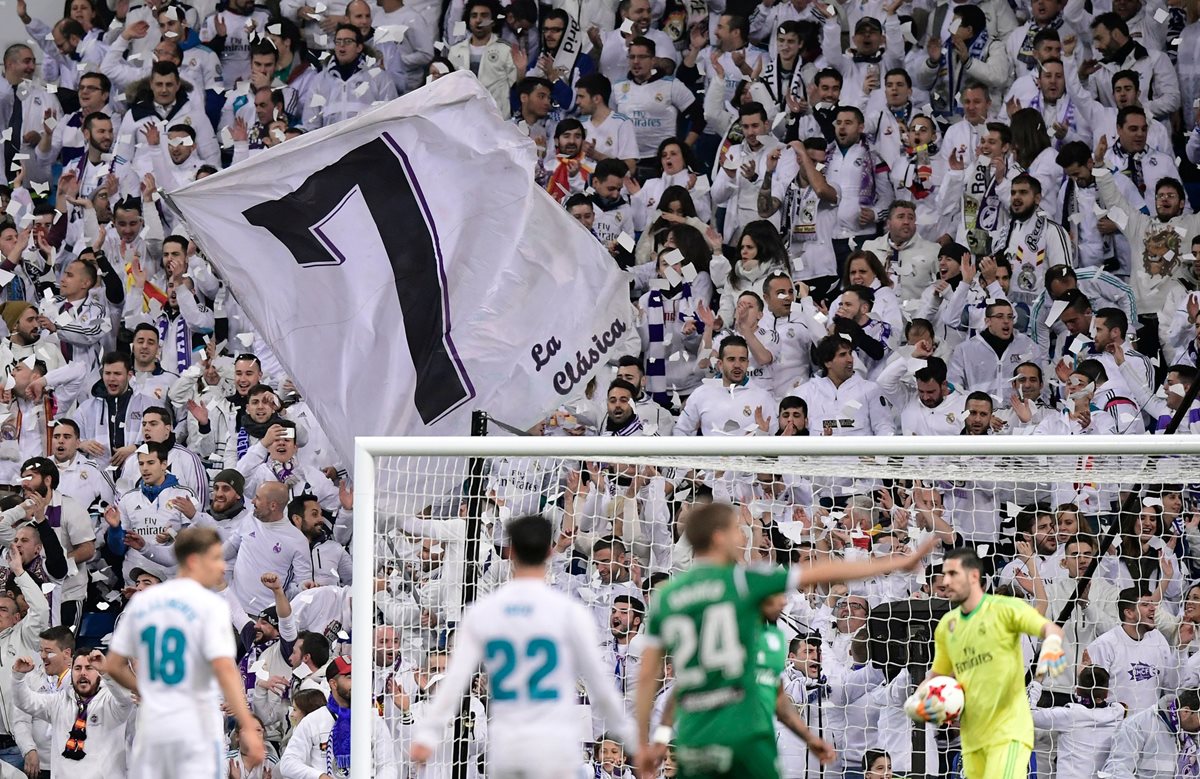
(868, 218)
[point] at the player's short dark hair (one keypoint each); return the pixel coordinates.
(832, 73)
(93, 117)
(193, 540)
(753, 108)
(704, 522)
(567, 125)
(61, 635)
(529, 538)
(315, 646)
(966, 557)
(1077, 301)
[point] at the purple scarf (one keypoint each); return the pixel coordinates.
(338, 750)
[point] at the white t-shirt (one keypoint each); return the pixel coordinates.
(654, 109)
(614, 136)
(175, 630)
(1138, 671)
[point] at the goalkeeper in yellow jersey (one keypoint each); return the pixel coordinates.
(979, 644)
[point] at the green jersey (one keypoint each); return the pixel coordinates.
(770, 661)
(708, 621)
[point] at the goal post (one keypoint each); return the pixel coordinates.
(830, 486)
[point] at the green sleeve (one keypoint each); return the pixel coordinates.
(1023, 618)
(941, 656)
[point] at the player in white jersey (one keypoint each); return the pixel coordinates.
(179, 634)
(534, 642)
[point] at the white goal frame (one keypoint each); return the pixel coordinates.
(368, 449)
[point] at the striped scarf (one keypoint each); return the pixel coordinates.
(656, 326)
(74, 749)
(954, 80)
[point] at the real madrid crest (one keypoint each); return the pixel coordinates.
(746, 411)
(658, 96)
(950, 417)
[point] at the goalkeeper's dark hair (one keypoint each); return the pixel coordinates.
(966, 558)
(706, 521)
(530, 538)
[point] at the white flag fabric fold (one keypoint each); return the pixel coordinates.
(406, 270)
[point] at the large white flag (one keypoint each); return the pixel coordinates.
(406, 270)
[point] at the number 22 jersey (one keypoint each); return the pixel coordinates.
(535, 644)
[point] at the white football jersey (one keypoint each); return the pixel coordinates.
(535, 643)
(175, 630)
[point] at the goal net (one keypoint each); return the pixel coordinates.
(1113, 519)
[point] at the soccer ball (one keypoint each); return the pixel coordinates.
(939, 700)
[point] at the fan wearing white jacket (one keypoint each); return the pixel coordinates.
(320, 745)
(105, 705)
(349, 85)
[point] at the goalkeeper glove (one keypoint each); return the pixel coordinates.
(1052, 660)
(921, 707)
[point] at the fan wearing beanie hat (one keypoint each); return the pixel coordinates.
(26, 338)
(227, 507)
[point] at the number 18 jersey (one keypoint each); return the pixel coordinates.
(175, 630)
(708, 621)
